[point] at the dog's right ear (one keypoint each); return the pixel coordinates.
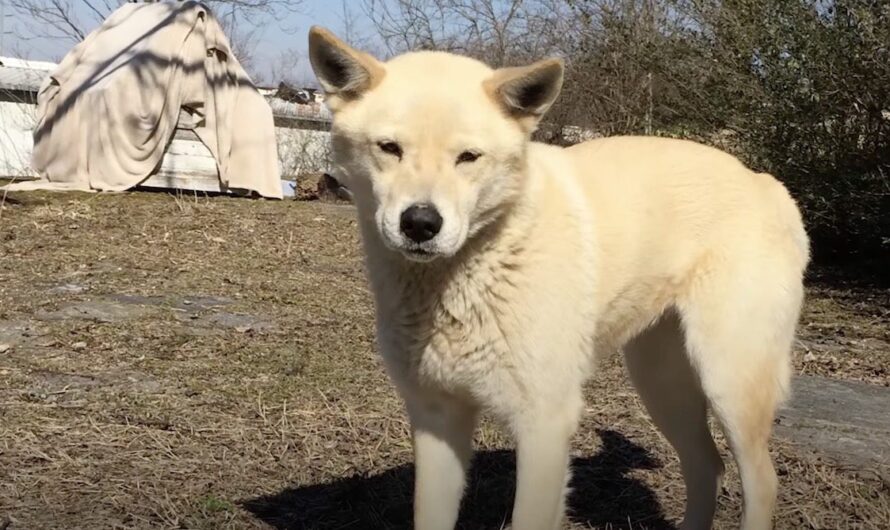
(344, 73)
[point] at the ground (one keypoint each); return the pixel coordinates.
(168, 361)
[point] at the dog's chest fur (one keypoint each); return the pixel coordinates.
(452, 326)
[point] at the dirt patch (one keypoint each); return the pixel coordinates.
(209, 363)
(845, 333)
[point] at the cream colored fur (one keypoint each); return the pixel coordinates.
(548, 258)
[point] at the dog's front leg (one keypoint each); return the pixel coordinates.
(543, 436)
(442, 429)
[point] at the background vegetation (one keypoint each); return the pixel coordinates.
(798, 88)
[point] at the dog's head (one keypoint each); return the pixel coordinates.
(432, 144)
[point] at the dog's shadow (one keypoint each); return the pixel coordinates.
(603, 496)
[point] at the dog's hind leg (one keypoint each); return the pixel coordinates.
(739, 327)
(670, 389)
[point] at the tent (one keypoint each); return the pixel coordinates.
(108, 112)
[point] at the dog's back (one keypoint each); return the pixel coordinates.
(665, 210)
(681, 195)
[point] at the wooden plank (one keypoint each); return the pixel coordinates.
(308, 124)
(201, 183)
(183, 181)
(188, 148)
(191, 158)
(186, 134)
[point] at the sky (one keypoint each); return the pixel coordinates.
(287, 36)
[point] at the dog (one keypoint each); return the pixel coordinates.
(502, 268)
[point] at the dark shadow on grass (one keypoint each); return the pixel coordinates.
(603, 495)
(865, 273)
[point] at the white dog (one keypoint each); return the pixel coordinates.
(502, 268)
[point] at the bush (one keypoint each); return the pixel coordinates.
(799, 88)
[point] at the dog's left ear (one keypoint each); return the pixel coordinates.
(527, 92)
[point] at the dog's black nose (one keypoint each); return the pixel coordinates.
(420, 222)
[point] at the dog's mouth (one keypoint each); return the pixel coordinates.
(419, 254)
(412, 251)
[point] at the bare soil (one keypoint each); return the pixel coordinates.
(172, 361)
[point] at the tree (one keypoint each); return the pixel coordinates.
(799, 88)
(805, 85)
(500, 32)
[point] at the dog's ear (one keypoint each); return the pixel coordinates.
(527, 92)
(344, 73)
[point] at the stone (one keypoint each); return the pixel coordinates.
(185, 303)
(68, 288)
(136, 299)
(14, 332)
(226, 321)
(846, 421)
(203, 302)
(96, 310)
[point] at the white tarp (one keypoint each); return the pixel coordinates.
(108, 112)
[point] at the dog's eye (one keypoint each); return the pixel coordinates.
(468, 156)
(391, 148)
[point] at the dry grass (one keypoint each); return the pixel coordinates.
(845, 333)
(163, 419)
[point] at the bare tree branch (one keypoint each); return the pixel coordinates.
(496, 31)
(58, 19)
